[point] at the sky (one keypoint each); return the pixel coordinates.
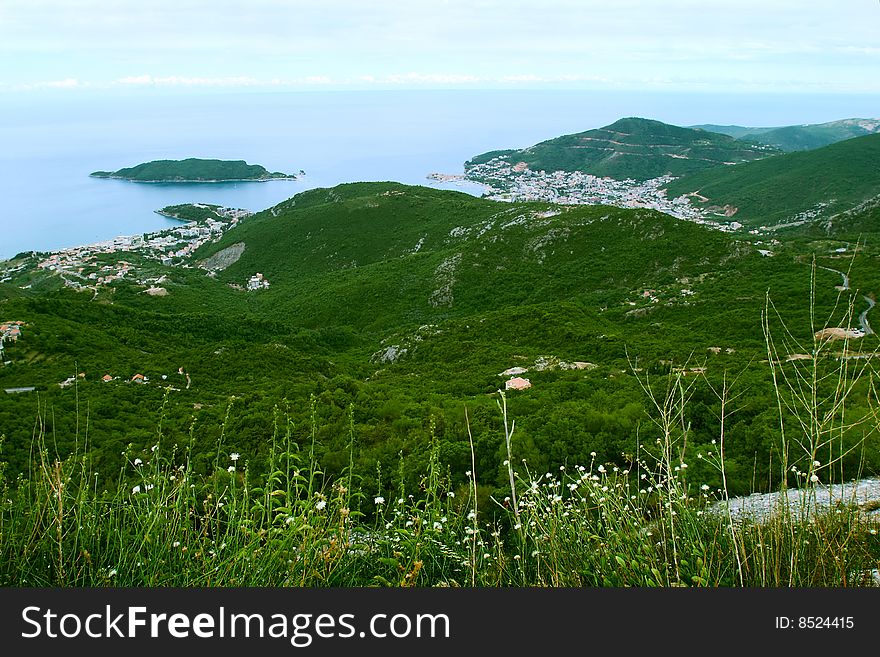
(803, 46)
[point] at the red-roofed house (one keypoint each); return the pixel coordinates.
(517, 383)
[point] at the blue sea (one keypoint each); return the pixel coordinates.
(50, 142)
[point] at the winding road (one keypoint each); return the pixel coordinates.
(863, 317)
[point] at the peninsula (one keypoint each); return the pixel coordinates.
(195, 170)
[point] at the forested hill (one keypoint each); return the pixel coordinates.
(791, 188)
(632, 148)
(800, 137)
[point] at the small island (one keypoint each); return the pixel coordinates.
(194, 170)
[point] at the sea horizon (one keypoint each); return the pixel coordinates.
(334, 136)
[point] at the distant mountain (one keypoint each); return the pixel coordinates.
(800, 137)
(631, 148)
(791, 188)
(194, 170)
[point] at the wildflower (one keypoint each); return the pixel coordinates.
(816, 464)
(135, 490)
(288, 520)
(704, 487)
(138, 462)
(593, 454)
(231, 468)
(234, 456)
(154, 447)
(111, 573)
(379, 500)
(175, 544)
(814, 478)
(149, 487)
(467, 474)
(601, 468)
(450, 494)
(320, 504)
(438, 525)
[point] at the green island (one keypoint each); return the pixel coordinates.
(379, 384)
(195, 170)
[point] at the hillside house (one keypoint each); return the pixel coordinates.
(517, 383)
(139, 378)
(106, 378)
(514, 371)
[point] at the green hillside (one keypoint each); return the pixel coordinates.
(800, 137)
(390, 310)
(631, 148)
(193, 170)
(380, 255)
(791, 188)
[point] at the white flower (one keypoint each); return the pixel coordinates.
(814, 478)
(379, 500)
(138, 462)
(154, 447)
(234, 456)
(816, 464)
(704, 487)
(175, 544)
(450, 494)
(601, 468)
(231, 468)
(149, 487)
(438, 525)
(320, 504)
(288, 520)
(111, 573)
(593, 454)
(135, 490)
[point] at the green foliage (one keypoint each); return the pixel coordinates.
(800, 137)
(791, 187)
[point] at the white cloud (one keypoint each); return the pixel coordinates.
(183, 81)
(279, 43)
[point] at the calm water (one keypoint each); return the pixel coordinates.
(51, 142)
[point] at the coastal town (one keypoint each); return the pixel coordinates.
(505, 182)
(93, 266)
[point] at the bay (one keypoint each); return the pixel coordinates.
(52, 141)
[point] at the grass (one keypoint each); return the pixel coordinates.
(584, 525)
(640, 521)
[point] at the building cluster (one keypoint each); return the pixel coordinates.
(81, 266)
(10, 331)
(506, 182)
(257, 282)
